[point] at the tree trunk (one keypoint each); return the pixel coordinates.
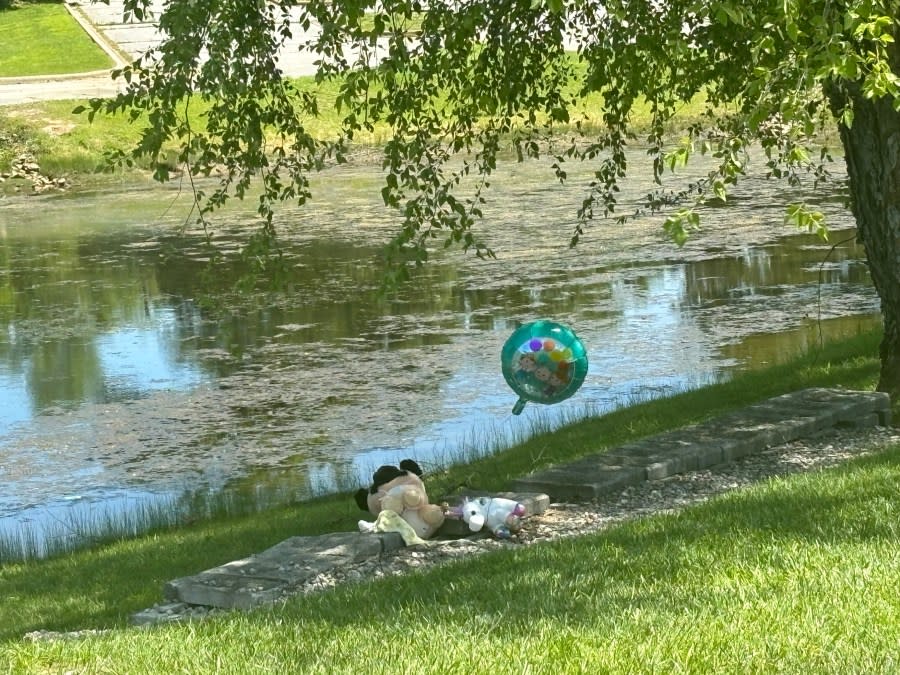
(872, 151)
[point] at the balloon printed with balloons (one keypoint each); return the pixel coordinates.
(544, 362)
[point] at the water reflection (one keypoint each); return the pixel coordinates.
(125, 366)
(138, 360)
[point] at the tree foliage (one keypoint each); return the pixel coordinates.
(476, 76)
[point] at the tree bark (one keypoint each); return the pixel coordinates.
(872, 151)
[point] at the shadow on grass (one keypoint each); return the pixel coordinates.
(96, 589)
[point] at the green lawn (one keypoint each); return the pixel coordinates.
(43, 39)
(792, 575)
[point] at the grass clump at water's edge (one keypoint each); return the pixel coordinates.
(749, 559)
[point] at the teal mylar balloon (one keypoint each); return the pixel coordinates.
(543, 362)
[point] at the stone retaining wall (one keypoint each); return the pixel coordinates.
(778, 420)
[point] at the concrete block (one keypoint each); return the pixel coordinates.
(265, 577)
(663, 469)
(562, 485)
(709, 453)
(342, 546)
(535, 503)
(847, 405)
(672, 461)
(224, 590)
(808, 416)
(737, 447)
(757, 436)
(864, 422)
(640, 453)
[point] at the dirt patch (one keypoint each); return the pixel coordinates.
(57, 127)
(51, 126)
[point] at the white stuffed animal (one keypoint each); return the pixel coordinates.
(500, 515)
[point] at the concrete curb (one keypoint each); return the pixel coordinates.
(110, 48)
(268, 576)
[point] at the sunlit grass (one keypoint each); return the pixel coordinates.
(43, 39)
(792, 575)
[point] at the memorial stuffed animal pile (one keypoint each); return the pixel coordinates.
(398, 499)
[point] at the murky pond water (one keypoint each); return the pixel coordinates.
(128, 371)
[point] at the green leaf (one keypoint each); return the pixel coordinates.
(677, 158)
(804, 218)
(555, 6)
(679, 223)
(733, 14)
(719, 190)
(792, 31)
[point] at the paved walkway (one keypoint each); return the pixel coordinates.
(123, 42)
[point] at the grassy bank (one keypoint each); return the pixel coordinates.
(65, 143)
(790, 576)
(750, 579)
(42, 38)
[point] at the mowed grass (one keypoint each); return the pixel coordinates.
(43, 39)
(792, 575)
(66, 142)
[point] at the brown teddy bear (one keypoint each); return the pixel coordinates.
(400, 489)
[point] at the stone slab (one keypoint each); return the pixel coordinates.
(166, 612)
(701, 456)
(865, 422)
(225, 591)
(265, 577)
(268, 576)
(574, 483)
(754, 428)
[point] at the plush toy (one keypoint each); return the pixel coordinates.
(389, 521)
(500, 515)
(400, 489)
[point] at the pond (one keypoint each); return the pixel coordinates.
(128, 371)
